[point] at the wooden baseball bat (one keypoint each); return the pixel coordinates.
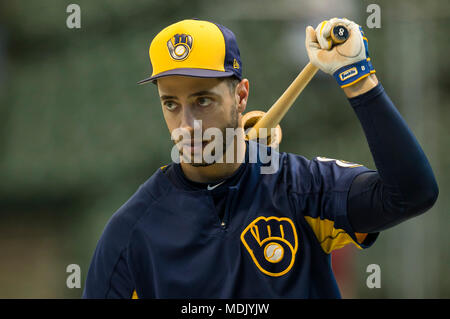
(275, 114)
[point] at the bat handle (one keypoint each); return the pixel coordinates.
(276, 113)
(340, 33)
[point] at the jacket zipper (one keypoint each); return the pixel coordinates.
(228, 207)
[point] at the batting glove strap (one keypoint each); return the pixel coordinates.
(350, 74)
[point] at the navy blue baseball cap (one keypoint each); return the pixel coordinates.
(195, 48)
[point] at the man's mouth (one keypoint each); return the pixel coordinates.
(192, 146)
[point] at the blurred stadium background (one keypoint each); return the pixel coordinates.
(78, 136)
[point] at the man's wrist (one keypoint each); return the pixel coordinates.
(361, 87)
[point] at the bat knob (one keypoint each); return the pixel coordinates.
(249, 120)
(339, 34)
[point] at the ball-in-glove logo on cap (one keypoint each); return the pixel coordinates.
(180, 45)
(272, 243)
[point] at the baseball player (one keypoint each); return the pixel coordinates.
(225, 230)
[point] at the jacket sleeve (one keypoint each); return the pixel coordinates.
(320, 190)
(404, 185)
(109, 275)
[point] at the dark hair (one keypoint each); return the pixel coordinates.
(232, 82)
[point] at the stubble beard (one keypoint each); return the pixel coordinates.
(233, 124)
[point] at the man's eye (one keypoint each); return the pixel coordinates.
(204, 101)
(170, 105)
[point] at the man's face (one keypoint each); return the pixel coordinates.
(187, 100)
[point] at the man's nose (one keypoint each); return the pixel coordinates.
(189, 121)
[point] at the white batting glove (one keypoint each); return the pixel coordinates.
(348, 62)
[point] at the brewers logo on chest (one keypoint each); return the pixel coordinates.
(272, 243)
(180, 45)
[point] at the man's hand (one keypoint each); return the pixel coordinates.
(348, 62)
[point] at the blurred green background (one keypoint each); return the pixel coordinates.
(78, 136)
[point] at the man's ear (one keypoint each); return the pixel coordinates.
(241, 94)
